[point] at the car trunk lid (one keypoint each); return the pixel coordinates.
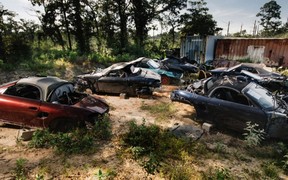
(93, 103)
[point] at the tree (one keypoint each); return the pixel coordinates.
(269, 17)
(197, 21)
(4, 13)
(14, 40)
(144, 12)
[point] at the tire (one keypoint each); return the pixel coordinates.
(165, 80)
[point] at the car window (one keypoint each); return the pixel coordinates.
(153, 64)
(260, 96)
(118, 73)
(230, 95)
(61, 91)
(24, 90)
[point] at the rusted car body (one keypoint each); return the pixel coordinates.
(48, 102)
(231, 102)
(118, 78)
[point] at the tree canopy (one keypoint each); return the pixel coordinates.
(270, 18)
(197, 21)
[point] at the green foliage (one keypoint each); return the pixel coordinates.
(152, 145)
(198, 21)
(270, 170)
(78, 141)
(41, 139)
(269, 18)
(219, 174)
(222, 173)
(100, 175)
(20, 171)
(253, 136)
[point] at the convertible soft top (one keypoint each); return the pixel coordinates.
(46, 83)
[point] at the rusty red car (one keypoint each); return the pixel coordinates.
(48, 102)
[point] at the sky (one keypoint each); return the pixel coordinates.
(237, 13)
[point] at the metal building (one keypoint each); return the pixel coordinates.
(272, 52)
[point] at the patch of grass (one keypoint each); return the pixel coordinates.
(151, 146)
(270, 170)
(80, 140)
(20, 171)
(181, 171)
(162, 110)
(220, 174)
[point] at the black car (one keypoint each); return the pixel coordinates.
(169, 74)
(271, 84)
(231, 102)
(120, 78)
(175, 63)
(254, 68)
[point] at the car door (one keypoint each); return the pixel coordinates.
(113, 82)
(19, 110)
(233, 110)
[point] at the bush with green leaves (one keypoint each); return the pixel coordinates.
(80, 140)
(152, 145)
(253, 136)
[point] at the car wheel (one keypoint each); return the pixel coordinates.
(165, 80)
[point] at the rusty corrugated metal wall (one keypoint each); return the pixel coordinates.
(273, 52)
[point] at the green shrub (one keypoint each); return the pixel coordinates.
(20, 171)
(151, 145)
(80, 140)
(270, 170)
(253, 136)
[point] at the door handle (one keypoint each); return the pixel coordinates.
(33, 108)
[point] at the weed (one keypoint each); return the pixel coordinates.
(253, 136)
(219, 174)
(20, 170)
(39, 177)
(285, 163)
(222, 173)
(151, 145)
(41, 139)
(270, 170)
(104, 175)
(183, 172)
(80, 140)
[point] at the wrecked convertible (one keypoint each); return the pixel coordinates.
(231, 102)
(121, 77)
(48, 102)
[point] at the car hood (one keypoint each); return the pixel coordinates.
(94, 104)
(93, 75)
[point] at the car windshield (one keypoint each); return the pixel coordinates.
(261, 96)
(153, 64)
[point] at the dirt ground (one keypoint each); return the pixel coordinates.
(122, 111)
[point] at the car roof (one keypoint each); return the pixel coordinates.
(233, 82)
(46, 84)
(120, 65)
